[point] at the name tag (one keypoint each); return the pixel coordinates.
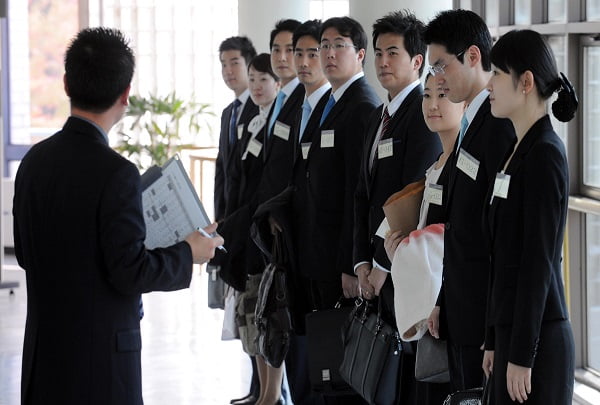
(327, 138)
(467, 164)
(501, 186)
(254, 147)
(305, 148)
(385, 148)
(281, 130)
(240, 131)
(434, 193)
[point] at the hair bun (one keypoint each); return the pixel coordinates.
(566, 104)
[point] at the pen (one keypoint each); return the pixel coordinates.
(208, 235)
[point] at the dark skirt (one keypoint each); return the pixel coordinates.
(552, 376)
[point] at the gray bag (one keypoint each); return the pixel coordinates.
(216, 287)
(431, 364)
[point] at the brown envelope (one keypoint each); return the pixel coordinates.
(403, 207)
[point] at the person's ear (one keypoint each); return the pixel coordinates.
(361, 55)
(125, 96)
(65, 85)
(527, 82)
(472, 55)
(417, 62)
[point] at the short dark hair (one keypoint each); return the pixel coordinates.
(459, 29)
(242, 44)
(408, 26)
(289, 25)
(99, 66)
(310, 28)
(348, 27)
(262, 63)
(518, 51)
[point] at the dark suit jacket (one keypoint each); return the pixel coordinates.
(331, 177)
(79, 234)
(466, 251)
(225, 154)
(415, 148)
(527, 234)
(279, 155)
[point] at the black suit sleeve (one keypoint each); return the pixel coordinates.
(131, 268)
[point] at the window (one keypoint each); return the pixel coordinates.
(592, 10)
(557, 11)
(557, 43)
(593, 290)
(591, 114)
(522, 12)
(324, 9)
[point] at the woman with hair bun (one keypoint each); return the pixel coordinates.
(529, 349)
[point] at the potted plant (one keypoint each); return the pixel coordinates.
(155, 128)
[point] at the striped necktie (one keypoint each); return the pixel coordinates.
(464, 123)
(385, 123)
(233, 122)
(306, 109)
(276, 110)
(328, 107)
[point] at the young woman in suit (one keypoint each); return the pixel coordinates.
(529, 342)
(441, 116)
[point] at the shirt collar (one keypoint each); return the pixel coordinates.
(289, 88)
(397, 101)
(244, 97)
(476, 104)
(314, 98)
(98, 127)
(340, 92)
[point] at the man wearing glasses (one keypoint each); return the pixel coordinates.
(459, 53)
(333, 164)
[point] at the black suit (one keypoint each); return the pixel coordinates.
(331, 177)
(466, 252)
(527, 313)
(226, 153)
(79, 234)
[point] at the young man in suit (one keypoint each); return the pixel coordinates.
(79, 234)
(459, 55)
(235, 53)
(399, 148)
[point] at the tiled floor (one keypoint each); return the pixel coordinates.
(184, 361)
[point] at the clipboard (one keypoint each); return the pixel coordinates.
(171, 207)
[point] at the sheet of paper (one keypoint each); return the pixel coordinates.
(384, 227)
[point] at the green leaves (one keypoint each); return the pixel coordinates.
(155, 128)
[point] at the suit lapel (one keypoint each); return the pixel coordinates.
(311, 126)
(291, 104)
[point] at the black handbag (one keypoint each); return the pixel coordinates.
(473, 396)
(272, 310)
(325, 350)
(372, 355)
(431, 364)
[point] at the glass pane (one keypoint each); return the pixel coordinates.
(557, 43)
(593, 290)
(557, 11)
(492, 13)
(522, 12)
(592, 10)
(466, 4)
(591, 116)
(324, 9)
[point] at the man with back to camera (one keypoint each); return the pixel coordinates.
(79, 234)
(399, 148)
(459, 54)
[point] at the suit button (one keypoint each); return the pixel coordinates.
(447, 226)
(307, 175)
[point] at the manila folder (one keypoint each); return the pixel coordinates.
(403, 207)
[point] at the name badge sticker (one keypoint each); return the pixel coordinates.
(281, 130)
(501, 186)
(327, 138)
(467, 164)
(240, 131)
(305, 148)
(385, 148)
(254, 147)
(434, 193)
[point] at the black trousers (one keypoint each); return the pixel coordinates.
(464, 365)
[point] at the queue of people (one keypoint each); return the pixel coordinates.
(305, 122)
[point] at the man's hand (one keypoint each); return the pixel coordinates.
(518, 382)
(365, 288)
(349, 286)
(203, 248)
(488, 363)
(433, 323)
(391, 242)
(377, 278)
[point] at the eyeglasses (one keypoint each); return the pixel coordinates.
(438, 68)
(337, 46)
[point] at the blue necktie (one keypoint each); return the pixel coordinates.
(464, 123)
(233, 122)
(276, 110)
(328, 108)
(305, 116)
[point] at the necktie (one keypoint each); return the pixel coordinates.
(306, 109)
(276, 110)
(464, 123)
(385, 122)
(328, 108)
(233, 122)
